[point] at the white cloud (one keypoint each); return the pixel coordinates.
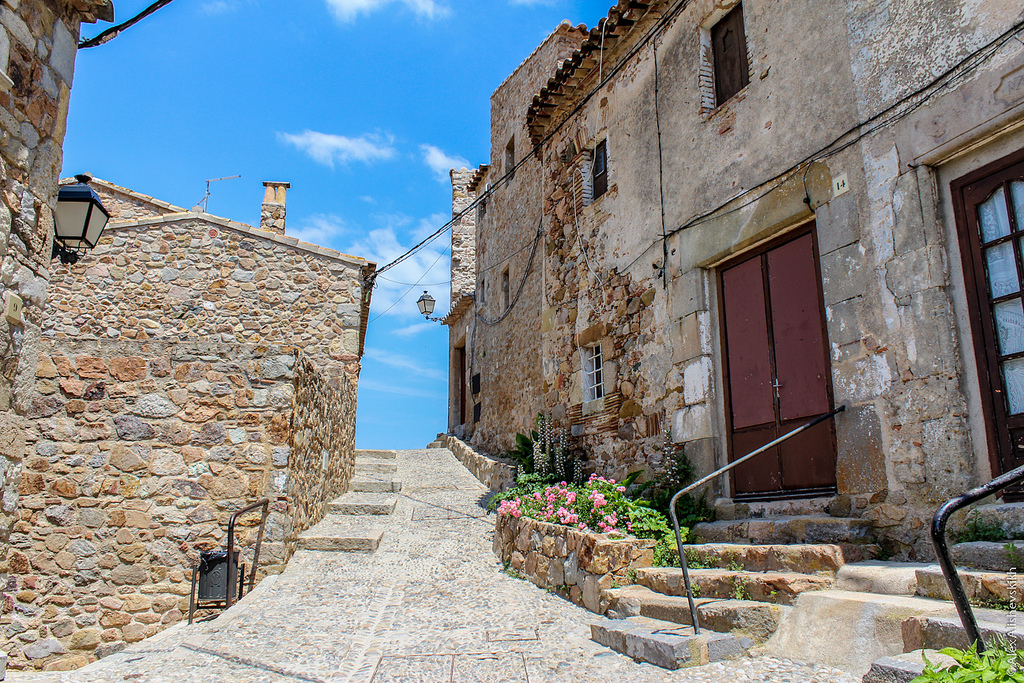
(219, 6)
(347, 10)
(413, 330)
(440, 162)
(388, 388)
(405, 363)
(321, 229)
(429, 264)
(328, 149)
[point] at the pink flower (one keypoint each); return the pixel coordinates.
(621, 489)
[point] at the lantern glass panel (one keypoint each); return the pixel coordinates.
(70, 221)
(97, 221)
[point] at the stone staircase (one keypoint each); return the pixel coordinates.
(784, 581)
(352, 523)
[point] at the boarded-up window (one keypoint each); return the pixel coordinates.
(506, 292)
(510, 155)
(729, 45)
(599, 171)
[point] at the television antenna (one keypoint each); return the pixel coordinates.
(204, 203)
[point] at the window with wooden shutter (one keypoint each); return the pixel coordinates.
(729, 47)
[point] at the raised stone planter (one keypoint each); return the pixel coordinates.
(492, 473)
(577, 565)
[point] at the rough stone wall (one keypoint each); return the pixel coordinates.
(572, 563)
(490, 471)
(192, 279)
(514, 390)
(323, 452)
(463, 236)
(38, 44)
(125, 205)
(885, 250)
(139, 453)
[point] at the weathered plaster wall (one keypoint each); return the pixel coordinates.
(897, 358)
(38, 45)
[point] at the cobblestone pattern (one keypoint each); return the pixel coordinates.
(138, 455)
(431, 605)
(323, 454)
(574, 564)
(37, 51)
(491, 472)
(192, 279)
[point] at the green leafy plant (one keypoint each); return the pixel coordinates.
(631, 575)
(1014, 556)
(1000, 664)
(740, 590)
(677, 474)
(977, 529)
(522, 454)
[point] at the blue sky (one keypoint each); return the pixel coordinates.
(362, 105)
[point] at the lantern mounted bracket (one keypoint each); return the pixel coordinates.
(79, 220)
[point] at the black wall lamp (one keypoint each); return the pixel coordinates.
(426, 305)
(78, 221)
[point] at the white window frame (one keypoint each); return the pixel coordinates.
(593, 373)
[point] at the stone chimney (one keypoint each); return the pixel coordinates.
(273, 214)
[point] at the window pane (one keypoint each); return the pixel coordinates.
(1013, 381)
(1002, 271)
(992, 216)
(1009, 317)
(1017, 197)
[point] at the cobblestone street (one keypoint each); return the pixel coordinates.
(430, 605)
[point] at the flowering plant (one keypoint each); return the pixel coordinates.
(599, 505)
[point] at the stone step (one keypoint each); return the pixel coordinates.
(776, 587)
(786, 530)
(363, 503)
(996, 556)
(804, 558)
(374, 485)
(669, 645)
(939, 632)
(364, 453)
(375, 468)
(904, 668)
(754, 620)
(436, 444)
(726, 508)
(980, 587)
(1007, 516)
(337, 533)
(883, 578)
(850, 630)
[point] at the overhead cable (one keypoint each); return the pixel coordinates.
(114, 31)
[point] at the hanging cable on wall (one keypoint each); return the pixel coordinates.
(522, 282)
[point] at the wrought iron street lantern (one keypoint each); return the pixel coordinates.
(78, 221)
(426, 304)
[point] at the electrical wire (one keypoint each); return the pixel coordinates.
(417, 284)
(114, 31)
(522, 282)
(411, 287)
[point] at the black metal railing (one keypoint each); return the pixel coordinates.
(942, 515)
(216, 575)
(713, 475)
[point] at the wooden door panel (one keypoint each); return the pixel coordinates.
(809, 458)
(800, 366)
(759, 474)
(748, 349)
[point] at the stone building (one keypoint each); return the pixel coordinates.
(752, 213)
(189, 366)
(38, 45)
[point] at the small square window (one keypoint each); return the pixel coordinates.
(593, 373)
(729, 54)
(599, 170)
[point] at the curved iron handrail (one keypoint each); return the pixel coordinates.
(942, 515)
(717, 473)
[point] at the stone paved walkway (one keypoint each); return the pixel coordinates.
(431, 605)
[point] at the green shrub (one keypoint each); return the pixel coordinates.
(977, 529)
(1000, 664)
(522, 454)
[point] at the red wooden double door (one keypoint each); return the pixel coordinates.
(777, 371)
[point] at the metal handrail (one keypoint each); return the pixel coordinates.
(232, 568)
(717, 473)
(942, 515)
